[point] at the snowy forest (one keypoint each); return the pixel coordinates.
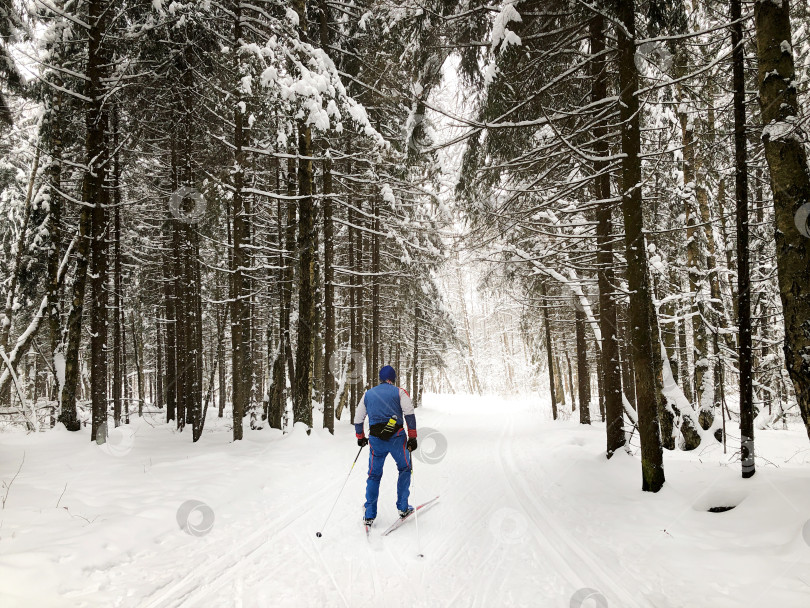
(578, 230)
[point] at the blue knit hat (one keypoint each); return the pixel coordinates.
(387, 373)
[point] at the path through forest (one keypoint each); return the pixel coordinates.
(530, 515)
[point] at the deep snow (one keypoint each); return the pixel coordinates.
(531, 514)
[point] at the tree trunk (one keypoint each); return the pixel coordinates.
(54, 222)
(358, 350)
(472, 373)
(683, 355)
(99, 290)
(328, 302)
(247, 376)
(627, 373)
(398, 335)
(159, 389)
(375, 287)
(367, 263)
(559, 382)
(92, 195)
(790, 184)
(195, 333)
(600, 386)
(290, 240)
(126, 389)
(352, 373)
(694, 249)
(743, 272)
(222, 321)
(415, 363)
(117, 277)
(549, 353)
(302, 406)
(666, 412)
(609, 353)
(583, 375)
(643, 340)
(302, 403)
(171, 336)
(239, 341)
(275, 415)
(569, 386)
(137, 351)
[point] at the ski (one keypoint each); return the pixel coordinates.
(402, 520)
(373, 539)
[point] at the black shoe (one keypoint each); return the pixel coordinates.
(367, 521)
(406, 512)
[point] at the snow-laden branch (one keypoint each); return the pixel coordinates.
(678, 403)
(24, 340)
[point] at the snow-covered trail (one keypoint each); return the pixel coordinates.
(488, 542)
(530, 515)
(480, 543)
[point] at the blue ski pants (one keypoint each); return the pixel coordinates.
(379, 450)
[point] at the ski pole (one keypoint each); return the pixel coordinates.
(318, 534)
(416, 518)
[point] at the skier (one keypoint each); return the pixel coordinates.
(387, 406)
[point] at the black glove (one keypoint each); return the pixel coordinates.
(411, 444)
(362, 441)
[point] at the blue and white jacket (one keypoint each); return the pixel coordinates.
(381, 403)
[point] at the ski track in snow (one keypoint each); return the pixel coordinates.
(572, 560)
(481, 472)
(224, 568)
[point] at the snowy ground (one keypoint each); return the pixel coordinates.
(530, 514)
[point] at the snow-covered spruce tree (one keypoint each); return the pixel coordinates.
(92, 20)
(302, 405)
(790, 184)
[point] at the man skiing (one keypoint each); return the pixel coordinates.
(387, 406)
